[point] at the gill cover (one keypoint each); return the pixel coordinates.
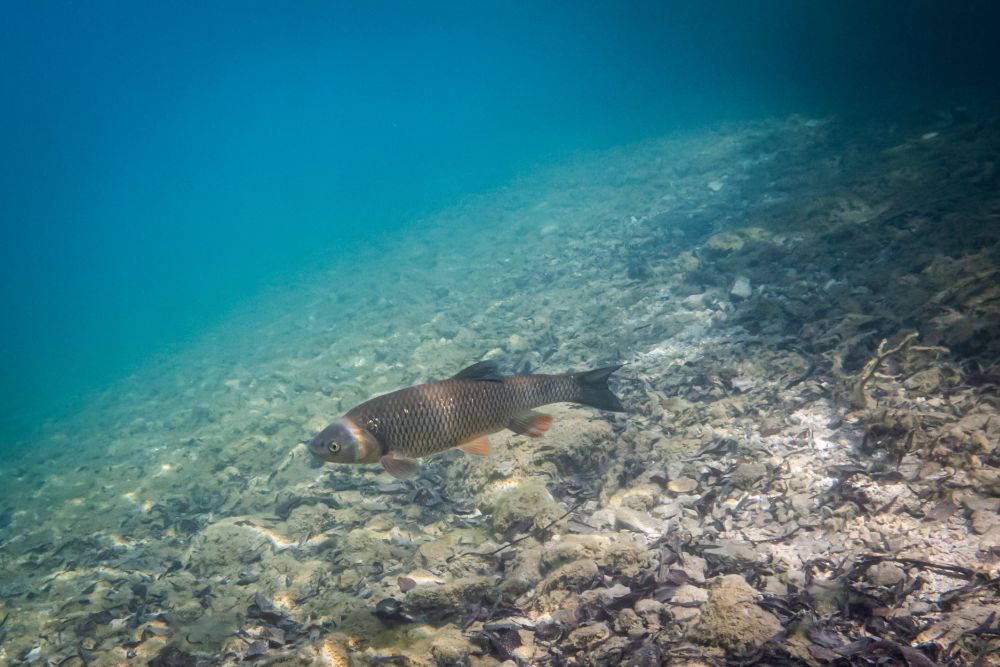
(345, 442)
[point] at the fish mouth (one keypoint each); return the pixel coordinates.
(316, 449)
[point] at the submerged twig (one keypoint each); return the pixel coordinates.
(859, 393)
(485, 554)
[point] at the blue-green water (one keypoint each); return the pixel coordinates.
(162, 164)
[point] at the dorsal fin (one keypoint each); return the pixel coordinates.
(481, 370)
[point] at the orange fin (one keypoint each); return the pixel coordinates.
(530, 423)
(398, 467)
(478, 447)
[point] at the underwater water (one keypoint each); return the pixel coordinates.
(224, 227)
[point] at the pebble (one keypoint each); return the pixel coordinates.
(667, 511)
(629, 623)
(686, 595)
(984, 520)
(573, 575)
(602, 519)
(588, 636)
(802, 503)
(682, 485)
(640, 522)
(741, 288)
(606, 596)
(885, 574)
(747, 474)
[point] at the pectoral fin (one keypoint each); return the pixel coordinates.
(530, 423)
(398, 467)
(478, 447)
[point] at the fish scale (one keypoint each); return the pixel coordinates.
(424, 419)
(429, 418)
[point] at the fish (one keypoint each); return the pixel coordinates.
(398, 428)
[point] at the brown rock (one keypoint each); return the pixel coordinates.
(885, 574)
(682, 485)
(748, 474)
(686, 603)
(731, 618)
(576, 575)
(984, 520)
(587, 637)
(629, 623)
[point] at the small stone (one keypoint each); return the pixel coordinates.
(651, 611)
(685, 603)
(445, 599)
(802, 503)
(517, 343)
(667, 511)
(588, 636)
(642, 497)
(605, 596)
(647, 655)
(694, 567)
(625, 557)
(984, 520)
(736, 552)
(773, 585)
(741, 288)
(747, 474)
(450, 648)
(602, 518)
(990, 542)
(629, 623)
(976, 502)
(640, 522)
(574, 576)
(885, 574)
(682, 485)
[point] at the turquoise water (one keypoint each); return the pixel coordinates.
(162, 165)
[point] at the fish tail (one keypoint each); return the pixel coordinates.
(593, 389)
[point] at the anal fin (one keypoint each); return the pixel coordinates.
(477, 446)
(398, 467)
(530, 423)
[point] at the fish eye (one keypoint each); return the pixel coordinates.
(334, 447)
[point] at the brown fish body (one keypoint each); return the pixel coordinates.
(458, 412)
(430, 418)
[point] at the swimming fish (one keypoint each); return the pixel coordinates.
(399, 427)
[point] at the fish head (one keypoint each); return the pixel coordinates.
(344, 441)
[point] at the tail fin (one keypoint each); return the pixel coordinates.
(594, 390)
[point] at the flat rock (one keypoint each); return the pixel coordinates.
(448, 598)
(640, 522)
(682, 485)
